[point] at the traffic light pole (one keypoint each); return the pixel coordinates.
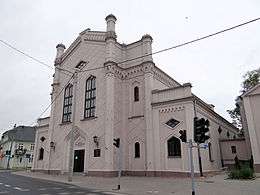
(119, 166)
(191, 168)
(198, 145)
(199, 156)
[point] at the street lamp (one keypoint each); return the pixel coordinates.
(96, 140)
(52, 145)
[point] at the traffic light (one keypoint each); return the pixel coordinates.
(206, 131)
(201, 129)
(198, 129)
(116, 142)
(183, 136)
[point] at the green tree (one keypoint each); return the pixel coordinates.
(251, 79)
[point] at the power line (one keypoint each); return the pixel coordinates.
(192, 41)
(153, 53)
(45, 110)
(31, 57)
(56, 97)
(23, 53)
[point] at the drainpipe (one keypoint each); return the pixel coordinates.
(10, 149)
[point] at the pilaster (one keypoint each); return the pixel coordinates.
(109, 117)
(149, 152)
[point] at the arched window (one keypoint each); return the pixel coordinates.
(41, 153)
(210, 152)
(90, 97)
(174, 147)
(136, 94)
(67, 105)
(219, 130)
(137, 150)
(228, 134)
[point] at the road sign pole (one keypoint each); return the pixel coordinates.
(200, 163)
(119, 165)
(191, 168)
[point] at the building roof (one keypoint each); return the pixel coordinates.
(21, 133)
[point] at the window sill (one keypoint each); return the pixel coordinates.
(133, 117)
(174, 157)
(65, 123)
(90, 118)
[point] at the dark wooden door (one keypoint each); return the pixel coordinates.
(79, 160)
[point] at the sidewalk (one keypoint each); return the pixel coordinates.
(216, 185)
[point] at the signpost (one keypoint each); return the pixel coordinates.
(191, 168)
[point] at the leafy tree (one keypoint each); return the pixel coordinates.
(235, 116)
(251, 79)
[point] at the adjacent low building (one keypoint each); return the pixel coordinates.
(16, 147)
(119, 94)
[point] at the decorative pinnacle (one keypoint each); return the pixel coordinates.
(147, 36)
(61, 45)
(110, 16)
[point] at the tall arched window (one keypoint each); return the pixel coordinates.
(137, 150)
(210, 152)
(90, 97)
(136, 94)
(67, 105)
(174, 147)
(41, 153)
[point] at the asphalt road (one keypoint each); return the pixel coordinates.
(18, 185)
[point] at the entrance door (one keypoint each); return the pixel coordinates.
(79, 160)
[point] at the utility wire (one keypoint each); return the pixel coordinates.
(23, 53)
(46, 109)
(31, 57)
(131, 59)
(192, 41)
(55, 98)
(128, 60)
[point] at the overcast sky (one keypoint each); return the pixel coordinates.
(214, 66)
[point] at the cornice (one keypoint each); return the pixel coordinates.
(172, 109)
(180, 100)
(94, 36)
(138, 70)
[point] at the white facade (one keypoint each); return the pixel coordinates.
(250, 113)
(119, 114)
